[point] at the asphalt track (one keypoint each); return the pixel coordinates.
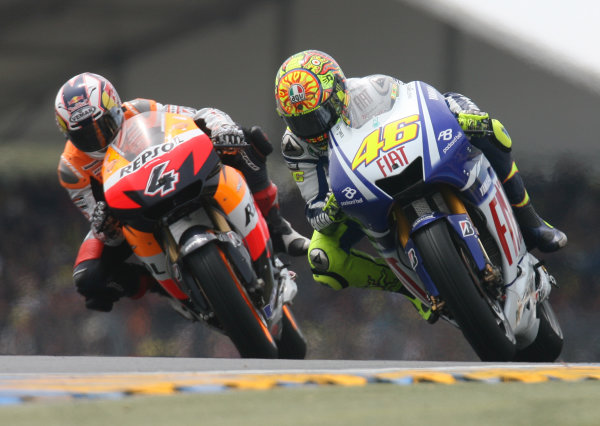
(27, 379)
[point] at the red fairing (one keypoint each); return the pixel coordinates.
(136, 175)
(256, 240)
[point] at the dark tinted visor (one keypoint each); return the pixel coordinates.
(314, 123)
(98, 134)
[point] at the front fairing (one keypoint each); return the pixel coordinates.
(419, 136)
(155, 157)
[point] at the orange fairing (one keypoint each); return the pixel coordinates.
(234, 197)
(143, 244)
(148, 250)
(113, 161)
(231, 189)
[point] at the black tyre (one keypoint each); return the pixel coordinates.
(230, 302)
(292, 344)
(548, 343)
(480, 320)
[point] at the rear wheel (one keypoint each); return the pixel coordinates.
(548, 343)
(241, 321)
(292, 344)
(479, 317)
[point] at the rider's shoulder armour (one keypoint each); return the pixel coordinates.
(296, 149)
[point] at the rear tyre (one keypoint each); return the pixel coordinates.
(548, 343)
(482, 325)
(216, 279)
(292, 344)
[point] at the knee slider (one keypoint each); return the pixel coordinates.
(323, 270)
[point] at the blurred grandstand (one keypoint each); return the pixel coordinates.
(224, 53)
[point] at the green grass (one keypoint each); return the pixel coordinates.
(551, 403)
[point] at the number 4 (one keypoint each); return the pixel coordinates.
(160, 181)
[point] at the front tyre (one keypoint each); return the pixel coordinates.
(548, 343)
(480, 323)
(291, 344)
(216, 279)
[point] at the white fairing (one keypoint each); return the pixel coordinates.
(517, 264)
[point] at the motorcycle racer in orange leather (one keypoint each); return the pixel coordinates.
(90, 114)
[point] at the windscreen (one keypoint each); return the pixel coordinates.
(140, 132)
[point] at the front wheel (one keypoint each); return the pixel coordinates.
(548, 343)
(480, 318)
(291, 344)
(216, 279)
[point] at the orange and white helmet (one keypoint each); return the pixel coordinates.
(88, 111)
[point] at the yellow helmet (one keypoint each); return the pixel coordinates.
(310, 93)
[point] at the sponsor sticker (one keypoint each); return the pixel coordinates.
(467, 228)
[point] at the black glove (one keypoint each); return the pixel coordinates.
(105, 226)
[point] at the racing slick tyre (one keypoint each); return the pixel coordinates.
(241, 321)
(291, 344)
(548, 343)
(481, 321)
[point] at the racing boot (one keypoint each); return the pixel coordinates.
(537, 232)
(285, 239)
(425, 311)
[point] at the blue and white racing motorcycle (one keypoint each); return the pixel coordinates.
(433, 207)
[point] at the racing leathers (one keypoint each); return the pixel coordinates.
(332, 259)
(105, 269)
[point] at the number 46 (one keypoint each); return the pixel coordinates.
(386, 138)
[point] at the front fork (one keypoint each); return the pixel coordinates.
(455, 213)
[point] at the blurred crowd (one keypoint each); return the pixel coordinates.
(41, 313)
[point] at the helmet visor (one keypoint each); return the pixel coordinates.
(314, 123)
(98, 134)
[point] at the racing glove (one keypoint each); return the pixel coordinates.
(478, 123)
(219, 126)
(324, 216)
(105, 226)
(332, 209)
(474, 122)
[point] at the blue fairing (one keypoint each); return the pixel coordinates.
(440, 142)
(370, 211)
(453, 147)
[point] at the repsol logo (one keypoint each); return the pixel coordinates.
(148, 155)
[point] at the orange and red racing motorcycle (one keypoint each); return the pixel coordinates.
(194, 224)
